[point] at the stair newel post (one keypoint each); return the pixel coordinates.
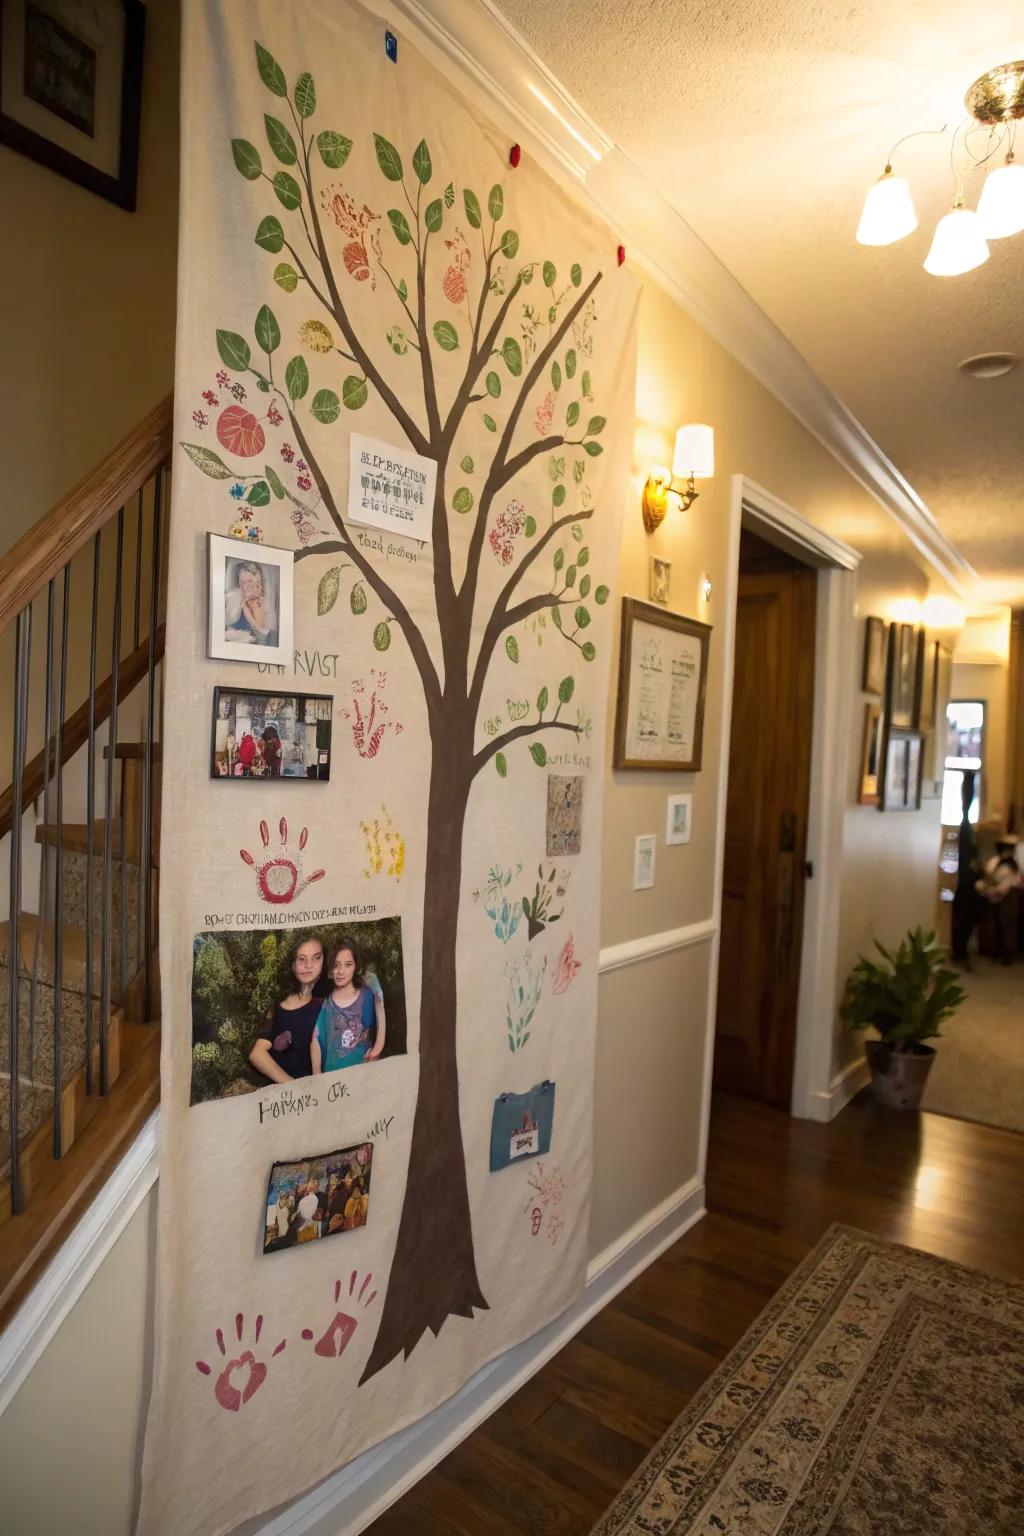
(145, 873)
(22, 656)
(108, 824)
(58, 916)
(44, 852)
(90, 816)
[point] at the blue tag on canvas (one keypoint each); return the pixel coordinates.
(521, 1125)
(391, 46)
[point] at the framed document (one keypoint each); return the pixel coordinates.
(663, 669)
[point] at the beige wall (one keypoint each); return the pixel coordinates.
(989, 681)
(651, 1057)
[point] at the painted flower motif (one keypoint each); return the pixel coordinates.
(306, 532)
(545, 413)
(301, 465)
(454, 283)
(238, 390)
(353, 223)
(237, 491)
(210, 398)
(287, 452)
(507, 527)
(240, 432)
(254, 534)
(315, 337)
(274, 415)
(223, 378)
(305, 483)
(201, 419)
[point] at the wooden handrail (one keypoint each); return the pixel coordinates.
(76, 728)
(45, 549)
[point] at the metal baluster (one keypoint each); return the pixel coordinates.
(58, 917)
(147, 758)
(138, 568)
(136, 629)
(108, 804)
(44, 862)
(22, 652)
(90, 817)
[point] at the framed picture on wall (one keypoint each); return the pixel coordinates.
(901, 783)
(71, 89)
(873, 677)
(871, 752)
(663, 670)
(927, 674)
(935, 753)
(901, 678)
(251, 602)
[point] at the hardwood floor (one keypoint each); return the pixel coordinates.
(553, 1457)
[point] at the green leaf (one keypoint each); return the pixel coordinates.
(566, 689)
(434, 216)
(577, 533)
(403, 291)
(539, 753)
(334, 148)
(247, 159)
(305, 95)
(296, 378)
(271, 72)
(552, 317)
(495, 202)
(268, 332)
(570, 364)
(585, 586)
(462, 501)
(466, 464)
(493, 384)
(286, 277)
(280, 140)
(512, 353)
(449, 195)
(572, 413)
(582, 617)
(259, 496)
(400, 226)
(579, 469)
(601, 595)
(512, 648)
(558, 495)
(490, 423)
(596, 424)
(357, 599)
(388, 158)
(509, 244)
(472, 206)
(501, 763)
(583, 556)
(570, 576)
(588, 650)
(327, 590)
(270, 235)
(210, 463)
(556, 375)
(287, 189)
(526, 275)
(397, 340)
(353, 393)
(576, 274)
(558, 560)
(542, 701)
(326, 406)
(556, 466)
(274, 481)
(382, 636)
(421, 162)
(593, 449)
(530, 527)
(549, 274)
(446, 336)
(233, 349)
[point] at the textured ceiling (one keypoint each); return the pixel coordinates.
(763, 122)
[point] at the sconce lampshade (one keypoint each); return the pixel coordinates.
(958, 245)
(888, 213)
(1001, 204)
(695, 452)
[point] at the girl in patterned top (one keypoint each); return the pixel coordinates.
(351, 1027)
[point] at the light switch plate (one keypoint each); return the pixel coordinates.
(643, 861)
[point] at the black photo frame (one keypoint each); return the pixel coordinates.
(227, 757)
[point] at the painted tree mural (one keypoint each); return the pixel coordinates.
(523, 332)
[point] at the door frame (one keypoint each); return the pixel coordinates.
(754, 507)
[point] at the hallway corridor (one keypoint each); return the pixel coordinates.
(979, 1065)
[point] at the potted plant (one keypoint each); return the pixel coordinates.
(905, 997)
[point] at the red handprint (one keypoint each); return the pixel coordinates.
(335, 1338)
(279, 877)
(242, 1377)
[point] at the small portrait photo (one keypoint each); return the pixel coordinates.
(677, 819)
(263, 735)
(317, 1197)
(565, 814)
(251, 601)
(291, 1003)
(661, 571)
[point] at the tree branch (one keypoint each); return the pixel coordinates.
(499, 743)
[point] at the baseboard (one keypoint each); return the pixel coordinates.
(826, 1104)
(347, 1502)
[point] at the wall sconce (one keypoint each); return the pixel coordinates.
(694, 459)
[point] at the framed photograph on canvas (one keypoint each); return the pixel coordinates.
(251, 601)
(71, 89)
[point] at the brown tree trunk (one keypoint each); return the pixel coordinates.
(433, 1275)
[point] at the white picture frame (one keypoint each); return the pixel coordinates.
(250, 600)
(678, 819)
(644, 852)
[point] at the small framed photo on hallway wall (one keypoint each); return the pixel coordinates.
(901, 783)
(903, 677)
(873, 678)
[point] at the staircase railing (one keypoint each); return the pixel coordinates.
(91, 576)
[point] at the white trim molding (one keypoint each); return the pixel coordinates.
(615, 956)
(826, 1103)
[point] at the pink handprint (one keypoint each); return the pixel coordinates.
(335, 1338)
(368, 728)
(567, 967)
(278, 876)
(234, 1392)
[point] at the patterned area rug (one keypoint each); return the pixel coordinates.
(880, 1391)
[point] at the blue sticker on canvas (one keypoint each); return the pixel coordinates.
(521, 1125)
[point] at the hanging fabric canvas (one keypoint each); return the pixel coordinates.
(411, 363)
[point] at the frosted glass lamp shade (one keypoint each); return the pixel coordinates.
(958, 245)
(695, 452)
(1001, 204)
(888, 213)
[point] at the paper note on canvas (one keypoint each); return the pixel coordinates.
(390, 488)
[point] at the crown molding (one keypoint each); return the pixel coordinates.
(497, 68)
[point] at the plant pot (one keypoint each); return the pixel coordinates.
(898, 1077)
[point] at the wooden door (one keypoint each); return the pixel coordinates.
(766, 831)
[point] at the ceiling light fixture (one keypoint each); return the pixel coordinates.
(988, 365)
(995, 102)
